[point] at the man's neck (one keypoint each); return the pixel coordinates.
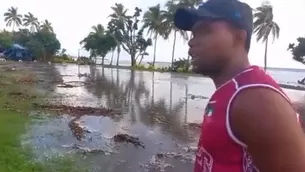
(229, 73)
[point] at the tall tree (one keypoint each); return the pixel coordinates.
(154, 23)
(32, 21)
(46, 26)
(264, 26)
(132, 36)
(189, 4)
(118, 20)
(298, 50)
(171, 7)
(98, 42)
(11, 17)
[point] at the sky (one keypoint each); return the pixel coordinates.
(72, 21)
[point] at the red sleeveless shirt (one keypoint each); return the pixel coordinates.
(218, 149)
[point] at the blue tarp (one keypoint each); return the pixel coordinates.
(17, 52)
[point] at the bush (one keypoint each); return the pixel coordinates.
(140, 67)
(63, 59)
(84, 61)
(181, 65)
(151, 67)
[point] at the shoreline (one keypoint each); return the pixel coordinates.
(286, 86)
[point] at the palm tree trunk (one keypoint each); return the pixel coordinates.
(142, 56)
(266, 50)
(111, 58)
(185, 104)
(13, 27)
(174, 46)
(153, 89)
(188, 60)
(155, 49)
(118, 55)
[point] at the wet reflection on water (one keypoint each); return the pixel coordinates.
(156, 107)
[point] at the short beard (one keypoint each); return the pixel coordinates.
(211, 72)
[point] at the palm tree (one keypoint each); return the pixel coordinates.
(118, 18)
(189, 4)
(32, 21)
(168, 14)
(154, 23)
(12, 17)
(264, 26)
(98, 29)
(98, 42)
(46, 26)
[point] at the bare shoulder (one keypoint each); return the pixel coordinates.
(266, 122)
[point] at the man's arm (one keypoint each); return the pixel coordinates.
(267, 124)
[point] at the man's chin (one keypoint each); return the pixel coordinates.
(201, 72)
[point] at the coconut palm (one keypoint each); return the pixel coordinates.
(46, 26)
(11, 17)
(264, 26)
(98, 42)
(154, 23)
(168, 14)
(98, 29)
(189, 4)
(32, 21)
(118, 19)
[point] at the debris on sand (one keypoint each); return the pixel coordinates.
(65, 85)
(26, 79)
(86, 150)
(193, 97)
(71, 84)
(21, 95)
(84, 75)
(79, 110)
(156, 164)
(193, 125)
(76, 128)
(125, 138)
(158, 161)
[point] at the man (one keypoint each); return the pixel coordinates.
(249, 124)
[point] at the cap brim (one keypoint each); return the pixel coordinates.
(185, 18)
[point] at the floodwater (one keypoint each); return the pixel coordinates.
(155, 107)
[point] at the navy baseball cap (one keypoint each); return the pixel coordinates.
(237, 13)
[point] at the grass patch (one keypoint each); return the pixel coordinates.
(17, 93)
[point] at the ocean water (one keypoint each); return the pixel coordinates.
(281, 75)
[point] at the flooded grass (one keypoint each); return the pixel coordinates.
(17, 93)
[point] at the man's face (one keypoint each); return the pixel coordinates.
(211, 47)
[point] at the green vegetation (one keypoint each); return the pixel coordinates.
(132, 31)
(126, 31)
(264, 26)
(16, 97)
(298, 50)
(38, 38)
